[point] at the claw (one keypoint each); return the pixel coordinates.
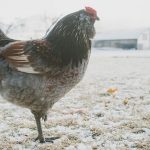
(50, 140)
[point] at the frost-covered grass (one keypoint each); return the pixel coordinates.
(93, 116)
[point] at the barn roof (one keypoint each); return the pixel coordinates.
(118, 35)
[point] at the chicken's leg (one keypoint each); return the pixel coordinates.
(40, 136)
(39, 128)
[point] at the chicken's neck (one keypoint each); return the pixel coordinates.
(69, 43)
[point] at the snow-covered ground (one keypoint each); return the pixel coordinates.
(108, 110)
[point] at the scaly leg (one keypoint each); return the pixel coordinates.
(39, 128)
(40, 136)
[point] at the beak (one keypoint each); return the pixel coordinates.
(97, 18)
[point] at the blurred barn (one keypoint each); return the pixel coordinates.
(139, 39)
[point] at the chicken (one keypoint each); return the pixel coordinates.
(35, 74)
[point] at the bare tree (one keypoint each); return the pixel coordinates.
(9, 28)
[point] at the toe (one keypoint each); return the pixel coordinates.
(41, 139)
(51, 139)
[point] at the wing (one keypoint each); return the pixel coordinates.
(29, 57)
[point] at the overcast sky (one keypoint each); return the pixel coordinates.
(114, 14)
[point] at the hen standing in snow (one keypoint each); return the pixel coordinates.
(36, 74)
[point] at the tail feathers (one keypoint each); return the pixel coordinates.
(2, 35)
(4, 40)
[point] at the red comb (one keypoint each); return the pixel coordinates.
(90, 10)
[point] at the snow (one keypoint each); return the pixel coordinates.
(90, 117)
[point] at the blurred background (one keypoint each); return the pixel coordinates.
(110, 108)
(123, 24)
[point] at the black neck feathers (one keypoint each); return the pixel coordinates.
(69, 41)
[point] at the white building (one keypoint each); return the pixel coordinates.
(144, 40)
(139, 39)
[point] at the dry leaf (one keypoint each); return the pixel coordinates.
(125, 101)
(112, 90)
